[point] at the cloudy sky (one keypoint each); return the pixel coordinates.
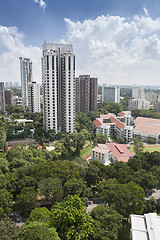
(117, 41)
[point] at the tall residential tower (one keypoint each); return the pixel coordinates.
(110, 94)
(58, 76)
(26, 78)
(86, 93)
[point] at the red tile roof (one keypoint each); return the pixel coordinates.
(97, 123)
(121, 114)
(119, 124)
(147, 125)
(107, 116)
(120, 151)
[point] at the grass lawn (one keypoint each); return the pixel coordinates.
(86, 151)
(148, 148)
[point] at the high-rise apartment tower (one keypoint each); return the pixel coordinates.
(34, 97)
(86, 93)
(110, 94)
(58, 76)
(26, 78)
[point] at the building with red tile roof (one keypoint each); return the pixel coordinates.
(111, 152)
(147, 128)
(113, 127)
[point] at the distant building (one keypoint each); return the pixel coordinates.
(152, 97)
(111, 152)
(58, 76)
(34, 97)
(145, 227)
(2, 97)
(137, 92)
(26, 78)
(110, 125)
(86, 93)
(158, 107)
(110, 94)
(8, 96)
(147, 128)
(17, 101)
(138, 104)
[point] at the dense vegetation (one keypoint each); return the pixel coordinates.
(32, 179)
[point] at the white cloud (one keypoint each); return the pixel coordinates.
(117, 50)
(11, 48)
(42, 3)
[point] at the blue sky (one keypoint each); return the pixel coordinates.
(117, 41)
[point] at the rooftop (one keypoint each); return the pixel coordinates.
(147, 125)
(145, 227)
(119, 124)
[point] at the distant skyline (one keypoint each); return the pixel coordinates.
(117, 41)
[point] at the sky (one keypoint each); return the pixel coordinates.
(117, 41)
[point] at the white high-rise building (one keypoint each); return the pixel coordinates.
(58, 76)
(110, 94)
(34, 97)
(137, 92)
(26, 78)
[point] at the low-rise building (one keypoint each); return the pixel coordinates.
(110, 124)
(138, 104)
(147, 128)
(111, 152)
(145, 227)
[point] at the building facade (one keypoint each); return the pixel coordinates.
(2, 97)
(8, 96)
(26, 78)
(34, 97)
(137, 92)
(110, 94)
(86, 93)
(58, 77)
(138, 104)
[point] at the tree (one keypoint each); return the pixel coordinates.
(26, 200)
(51, 189)
(100, 138)
(138, 145)
(107, 222)
(39, 214)
(9, 230)
(5, 201)
(3, 143)
(39, 231)
(121, 140)
(76, 186)
(151, 140)
(70, 219)
(126, 198)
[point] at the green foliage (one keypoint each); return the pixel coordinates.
(3, 143)
(9, 230)
(138, 145)
(151, 140)
(76, 186)
(107, 222)
(51, 189)
(26, 201)
(126, 198)
(70, 219)
(39, 214)
(99, 138)
(121, 140)
(151, 113)
(39, 231)
(5, 201)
